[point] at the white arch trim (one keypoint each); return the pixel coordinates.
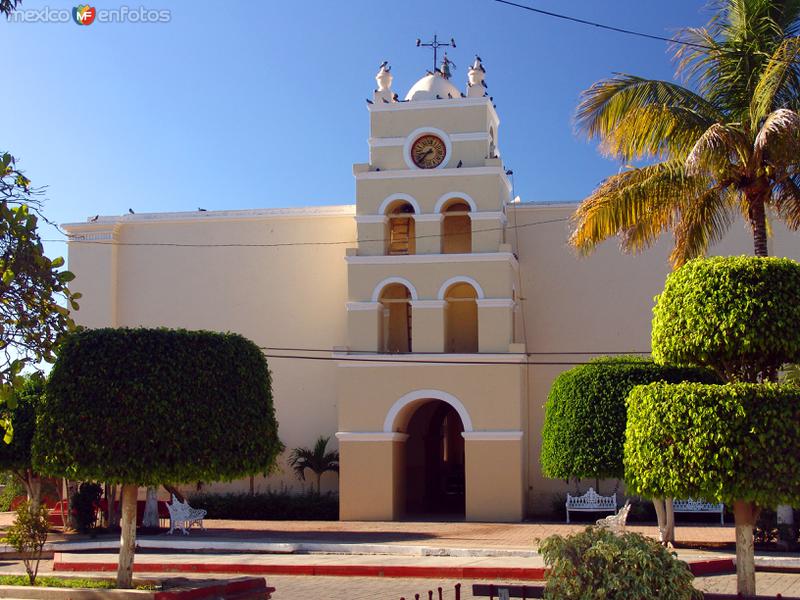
(421, 395)
(473, 207)
(460, 279)
(394, 197)
(376, 293)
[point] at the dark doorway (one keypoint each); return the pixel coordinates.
(435, 462)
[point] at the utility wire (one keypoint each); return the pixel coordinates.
(571, 352)
(76, 240)
(422, 361)
(632, 32)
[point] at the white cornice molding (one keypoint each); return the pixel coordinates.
(391, 142)
(434, 258)
(373, 219)
(370, 436)
(429, 218)
(495, 303)
(496, 215)
(424, 173)
(423, 304)
(94, 232)
(423, 104)
(355, 306)
(492, 436)
(344, 210)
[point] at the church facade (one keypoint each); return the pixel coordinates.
(420, 328)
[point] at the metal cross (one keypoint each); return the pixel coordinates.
(436, 44)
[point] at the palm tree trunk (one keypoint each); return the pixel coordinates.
(758, 221)
(319, 483)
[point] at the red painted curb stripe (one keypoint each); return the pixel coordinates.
(707, 567)
(535, 574)
(712, 567)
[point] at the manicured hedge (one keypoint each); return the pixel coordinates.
(151, 406)
(740, 315)
(718, 442)
(269, 506)
(585, 415)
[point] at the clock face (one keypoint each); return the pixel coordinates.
(428, 151)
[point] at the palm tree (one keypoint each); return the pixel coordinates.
(728, 142)
(317, 460)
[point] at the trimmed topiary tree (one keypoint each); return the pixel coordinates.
(141, 407)
(739, 315)
(734, 443)
(585, 418)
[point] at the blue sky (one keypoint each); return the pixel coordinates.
(261, 104)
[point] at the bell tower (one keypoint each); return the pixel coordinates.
(432, 301)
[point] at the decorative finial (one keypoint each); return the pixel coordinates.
(384, 80)
(476, 86)
(435, 44)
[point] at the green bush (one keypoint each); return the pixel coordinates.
(16, 455)
(740, 315)
(12, 487)
(718, 442)
(28, 535)
(597, 564)
(148, 406)
(584, 424)
(269, 506)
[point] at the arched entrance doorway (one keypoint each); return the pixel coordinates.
(434, 462)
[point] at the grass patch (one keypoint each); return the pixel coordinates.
(73, 582)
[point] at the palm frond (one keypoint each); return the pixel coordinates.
(778, 81)
(317, 460)
(610, 102)
(638, 205)
(704, 221)
(720, 147)
(778, 140)
(786, 201)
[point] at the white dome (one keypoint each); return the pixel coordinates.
(431, 86)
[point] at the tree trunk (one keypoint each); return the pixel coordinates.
(72, 489)
(61, 485)
(666, 520)
(127, 540)
(758, 221)
(150, 517)
(745, 515)
(252, 485)
(34, 491)
(319, 483)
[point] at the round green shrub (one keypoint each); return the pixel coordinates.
(597, 564)
(585, 415)
(151, 406)
(718, 442)
(739, 315)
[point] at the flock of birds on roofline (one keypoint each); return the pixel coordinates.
(133, 212)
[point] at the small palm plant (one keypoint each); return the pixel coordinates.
(318, 460)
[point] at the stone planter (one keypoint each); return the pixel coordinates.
(246, 588)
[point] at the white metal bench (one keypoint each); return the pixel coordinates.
(616, 523)
(699, 506)
(591, 501)
(182, 516)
